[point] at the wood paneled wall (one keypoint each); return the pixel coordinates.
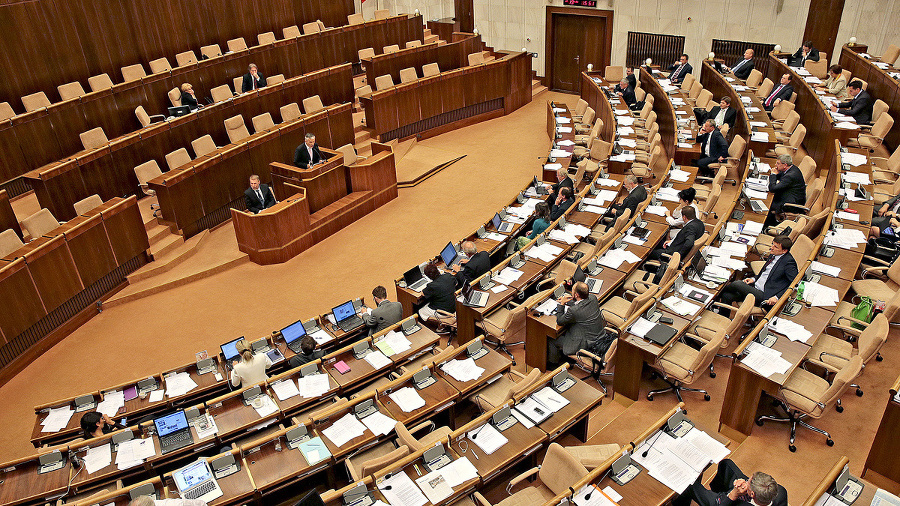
(663, 49)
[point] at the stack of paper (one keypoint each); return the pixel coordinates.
(345, 429)
(855, 177)
(602, 197)
(314, 450)
(577, 230)
(547, 307)
(133, 452)
(728, 263)
(621, 112)
(752, 109)
(828, 270)
(408, 399)
(613, 258)
(179, 384)
(630, 239)
(609, 183)
(625, 130)
(285, 389)
(377, 359)
(111, 403)
(546, 252)
(641, 326)
(820, 295)
(393, 342)
(679, 175)
(765, 361)
(681, 306)
(590, 496)
(665, 465)
(794, 331)
(657, 210)
(562, 236)
(434, 486)
(400, 490)
(313, 385)
(550, 398)
(844, 215)
(507, 276)
(715, 450)
(759, 136)
(488, 438)
(552, 166)
(667, 194)
(97, 458)
(57, 419)
(458, 472)
(320, 336)
(752, 228)
(463, 370)
(845, 238)
(627, 143)
(564, 130)
(379, 423)
(623, 157)
(567, 142)
(559, 153)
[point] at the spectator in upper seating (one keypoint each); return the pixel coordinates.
(253, 80)
(473, 266)
(836, 84)
(629, 75)
(783, 91)
(625, 92)
(541, 222)
(308, 352)
(742, 68)
(308, 154)
(713, 148)
(859, 106)
(563, 203)
(806, 52)
(188, 97)
(440, 293)
(676, 220)
(680, 69)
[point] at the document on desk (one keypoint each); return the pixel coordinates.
(818, 295)
(577, 230)
(765, 361)
(508, 276)
(133, 452)
(792, 330)
(625, 121)
(179, 384)
(828, 270)
(755, 194)
(594, 209)
(844, 215)
(285, 389)
(657, 210)
(681, 306)
(494, 236)
(551, 399)
(499, 288)
(608, 183)
(399, 490)
(630, 239)
(885, 498)
(57, 419)
(663, 465)
(752, 228)
(627, 143)
(589, 495)
(434, 486)
(111, 403)
(459, 471)
(667, 194)
(715, 450)
(855, 177)
(854, 159)
(320, 336)
(314, 385)
(534, 410)
(547, 307)
(488, 438)
(830, 500)
(641, 326)
(268, 406)
(408, 399)
(345, 429)
(679, 175)
(567, 142)
(314, 450)
(845, 238)
(157, 395)
(563, 236)
(379, 423)
(377, 359)
(463, 370)
(206, 426)
(395, 341)
(97, 458)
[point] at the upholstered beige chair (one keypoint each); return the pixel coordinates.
(313, 104)
(384, 82)
(587, 121)
(374, 459)
(6, 111)
(687, 83)
(350, 154)
(293, 31)
(145, 119)
(591, 456)
(754, 79)
(876, 136)
(177, 158)
(476, 58)
(786, 128)
(707, 325)
(580, 106)
(558, 471)
(681, 365)
(273, 80)
(366, 53)
(9, 242)
(890, 54)
(93, 138)
(203, 146)
(618, 309)
(640, 281)
(405, 436)
(70, 91)
(781, 110)
(266, 38)
(355, 19)
(310, 28)
(393, 48)
(221, 93)
(504, 389)
(133, 72)
(186, 58)
(211, 51)
(35, 101)
(39, 223)
(765, 89)
(100, 83)
(144, 173)
(878, 108)
(413, 43)
(430, 70)
(262, 122)
(175, 97)
(160, 65)
(505, 326)
(86, 204)
(382, 14)
(792, 145)
(833, 353)
(290, 112)
(614, 73)
(408, 75)
(236, 129)
(732, 162)
(235, 45)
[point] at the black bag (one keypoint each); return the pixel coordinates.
(881, 248)
(599, 345)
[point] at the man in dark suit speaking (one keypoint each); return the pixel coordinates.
(253, 80)
(582, 321)
(773, 280)
(258, 196)
(308, 154)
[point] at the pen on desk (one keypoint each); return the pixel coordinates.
(416, 466)
(475, 454)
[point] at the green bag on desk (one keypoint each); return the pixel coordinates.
(863, 311)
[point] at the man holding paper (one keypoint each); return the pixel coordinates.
(859, 106)
(732, 487)
(774, 279)
(385, 313)
(583, 321)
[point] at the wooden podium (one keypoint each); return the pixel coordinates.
(275, 234)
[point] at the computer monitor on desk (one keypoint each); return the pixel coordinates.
(292, 335)
(229, 351)
(449, 254)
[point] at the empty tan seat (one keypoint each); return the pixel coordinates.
(175, 97)
(160, 65)
(266, 38)
(393, 48)
(322, 26)
(262, 122)
(145, 172)
(203, 146)
(39, 223)
(430, 70)
(177, 158)
(384, 82)
(355, 19)
(413, 43)
(70, 91)
(290, 112)
(100, 83)
(186, 58)
(476, 58)
(273, 80)
(313, 104)
(382, 14)
(35, 101)
(309, 28)
(292, 32)
(93, 138)
(364, 91)
(6, 111)
(211, 51)
(221, 93)
(236, 129)
(235, 45)
(145, 119)
(133, 72)
(9, 242)
(350, 154)
(86, 204)
(238, 83)
(408, 75)
(366, 52)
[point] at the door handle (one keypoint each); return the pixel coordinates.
(577, 58)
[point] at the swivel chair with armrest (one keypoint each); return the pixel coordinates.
(681, 364)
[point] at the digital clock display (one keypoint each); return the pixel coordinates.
(581, 3)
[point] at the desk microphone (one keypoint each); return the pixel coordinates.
(644, 455)
(475, 434)
(386, 477)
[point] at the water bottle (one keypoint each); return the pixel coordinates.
(800, 289)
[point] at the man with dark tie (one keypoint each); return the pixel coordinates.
(743, 68)
(774, 279)
(258, 196)
(625, 92)
(806, 52)
(680, 69)
(713, 148)
(253, 80)
(787, 186)
(859, 106)
(783, 91)
(308, 154)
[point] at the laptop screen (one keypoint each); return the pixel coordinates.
(698, 263)
(467, 291)
(412, 275)
(343, 311)
(448, 254)
(170, 423)
(293, 332)
(579, 275)
(229, 349)
(496, 221)
(192, 475)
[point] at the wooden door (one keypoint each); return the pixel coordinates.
(576, 38)
(822, 24)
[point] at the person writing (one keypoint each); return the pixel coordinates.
(251, 369)
(253, 80)
(582, 321)
(836, 84)
(96, 424)
(308, 154)
(258, 196)
(188, 97)
(859, 106)
(541, 222)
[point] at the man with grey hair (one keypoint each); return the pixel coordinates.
(473, 266)
(787, 186)
(253, 80)
(562, 181)
(308, 154)
(636, 194)
(731, 487)
(146, 500)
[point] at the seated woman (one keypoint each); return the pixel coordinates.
(836, 84)
(188, 97)
(541, 222)
(95, 424)
(675, 220)
(251, 369)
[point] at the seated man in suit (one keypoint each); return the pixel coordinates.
(385, 313)
(625, 92)
(730, 486)
(308, 154)
(258, 196)
(692, 230)
(680, 69)
(471, 268)
(562, 204)
(629, 76)
(253, 80)
(440, 293)
(742, 68)
(308, 352)
(783, 91)
(713, 148)
(806, 52)
(774, 279)
(582, 321)
(562, 181)
(722, 114)
(859, 106)
(636, 194)
(787, 186)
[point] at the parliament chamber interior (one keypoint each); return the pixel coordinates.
(461, 253)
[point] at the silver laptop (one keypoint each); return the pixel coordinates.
(196, 481)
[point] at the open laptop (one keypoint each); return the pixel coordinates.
(229, 351)
(449, 255)
(292, 335)
(503, 227)
(472, 297)
(539, 187)
(180, 110)
(346, 318)
(173, 432)
(196, 482)
(593, 284)
(415, 280)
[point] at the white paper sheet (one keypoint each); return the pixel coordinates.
(379, 423)
(345, 429)
(463, 370)
(285, 389)
(400, 490)
(488, 438)
(314, 385)
(377, 359)
(408, 399)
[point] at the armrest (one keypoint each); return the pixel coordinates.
(479, 499)
(848, 329)
(801, 394)
(696, 338)
(421, 426)
(795, 208)
(517, 373)
(518, 479)
(818, 362)
(723, 306)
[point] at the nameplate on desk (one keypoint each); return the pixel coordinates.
(254, 450)
(217, 405)
(445, 406)
(9, 469)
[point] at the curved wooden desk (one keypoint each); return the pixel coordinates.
(273, 236)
